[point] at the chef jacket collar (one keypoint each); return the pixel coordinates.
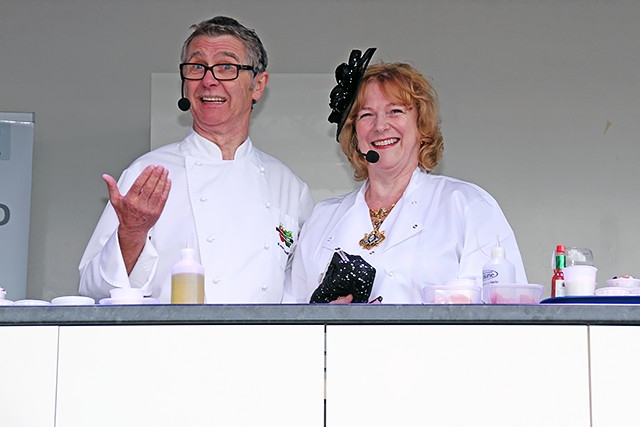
(206, 150)
(416, 178)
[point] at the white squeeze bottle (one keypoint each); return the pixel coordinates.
(498, 269)
(187, 279)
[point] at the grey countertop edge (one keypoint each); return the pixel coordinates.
(325, 314)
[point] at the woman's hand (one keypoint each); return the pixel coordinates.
(343, 300)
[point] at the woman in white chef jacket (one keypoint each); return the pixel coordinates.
(414, 227)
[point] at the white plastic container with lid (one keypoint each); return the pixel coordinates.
(187, 279)
(498, 270)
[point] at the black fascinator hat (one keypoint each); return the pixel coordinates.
(344, 93)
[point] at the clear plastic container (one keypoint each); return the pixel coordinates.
(512, 293)
(462, 293)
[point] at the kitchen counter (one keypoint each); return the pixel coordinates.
(545, 314)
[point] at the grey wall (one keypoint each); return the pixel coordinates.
(527, 90)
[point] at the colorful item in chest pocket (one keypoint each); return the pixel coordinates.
(286, 236)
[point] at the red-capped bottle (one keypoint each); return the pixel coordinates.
(557, 281)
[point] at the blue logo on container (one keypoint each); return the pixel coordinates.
(489, 274)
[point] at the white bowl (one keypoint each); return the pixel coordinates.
(624, 282)
(613, 290)
(127, 294)
(31, 302)
(143, 301)
(512, 293)
(73, 300)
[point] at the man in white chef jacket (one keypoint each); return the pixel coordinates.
(242, 208)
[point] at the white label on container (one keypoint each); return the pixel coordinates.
(560, 288)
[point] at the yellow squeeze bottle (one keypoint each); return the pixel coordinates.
(187, 279)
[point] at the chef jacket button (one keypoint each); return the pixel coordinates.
(390, 273)
(210, 239)
(198, 162)
(215, 281)
(372, 252)
(330, 238)
(267, 205)
(203, 199)
(267, 245)
(261, 169)
(415, 226)
(264, 287)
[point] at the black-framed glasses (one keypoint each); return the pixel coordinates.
(221, 72)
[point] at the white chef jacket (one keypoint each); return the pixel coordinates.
(440, 229)
(236, 211)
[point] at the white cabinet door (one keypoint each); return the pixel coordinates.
(191, 375)
(615, 375)
(28, 359)
(457, 375)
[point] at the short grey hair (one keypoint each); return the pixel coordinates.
(222, 25)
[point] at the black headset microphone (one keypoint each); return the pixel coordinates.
(183, 103)
(371, 156)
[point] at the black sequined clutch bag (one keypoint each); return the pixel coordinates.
(346, 274)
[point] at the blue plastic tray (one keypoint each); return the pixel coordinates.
(594, 299)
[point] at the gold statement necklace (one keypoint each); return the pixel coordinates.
(376, 236)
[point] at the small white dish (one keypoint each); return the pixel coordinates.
(134, 294)
(613, 290)
(624, 282)
(73, 300)
(31, 302)
(116, 301)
